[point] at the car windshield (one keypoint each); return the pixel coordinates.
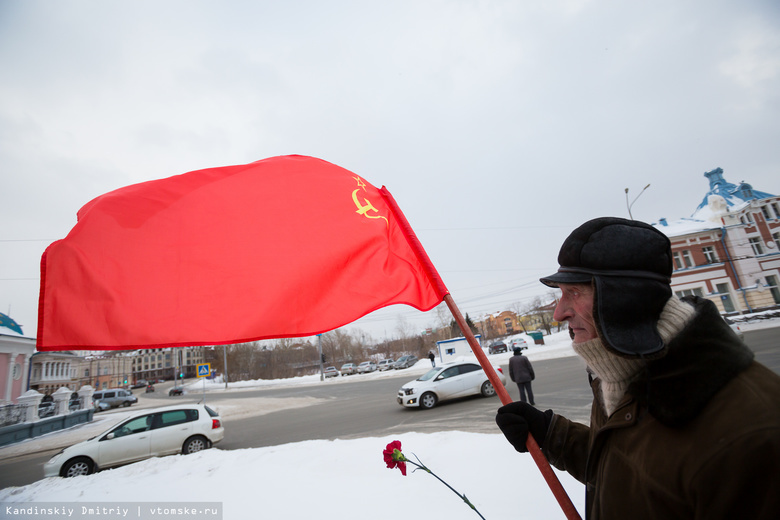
(430, 374)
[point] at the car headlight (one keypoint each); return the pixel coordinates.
(56, 456)
(408, 391)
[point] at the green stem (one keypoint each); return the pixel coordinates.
(422, 466)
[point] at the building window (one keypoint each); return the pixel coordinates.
(771, 281)
(755, 243)
(765, 211)
(677, 261)
(690, 292)
(710, 255)
(776, 209)
(776, 236)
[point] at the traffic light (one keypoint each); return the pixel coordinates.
(181, 376)
(323, 358)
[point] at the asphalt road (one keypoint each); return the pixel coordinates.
(368, 409)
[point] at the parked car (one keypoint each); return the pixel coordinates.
(518, 343)
(349, 368)
(140, 383)
(496, 347)
(74, 403)
(185, 429)
(366, 367)
(176, 390)
(452, 380)
(330, 372)
(405, 362)
(733, 325)
(46, 409)
(115, 397)
(100, 406)
(385, 364)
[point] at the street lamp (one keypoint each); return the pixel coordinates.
(632, 203)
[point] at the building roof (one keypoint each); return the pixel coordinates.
(735, 195)
(722, 197)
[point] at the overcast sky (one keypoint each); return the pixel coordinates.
(498, 126)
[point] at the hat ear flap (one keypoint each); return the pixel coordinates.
(626, 312)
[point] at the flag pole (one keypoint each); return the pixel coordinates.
(533, 447)
(433, 276)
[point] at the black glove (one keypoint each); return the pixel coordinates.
(516, 419)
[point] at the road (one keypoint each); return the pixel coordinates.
(368, 409)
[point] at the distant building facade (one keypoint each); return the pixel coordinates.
(729, 250)
(15, 354)
(166, 363)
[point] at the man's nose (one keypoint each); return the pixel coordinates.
(561, 312)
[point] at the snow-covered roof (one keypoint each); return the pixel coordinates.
(685, 226)
(722, 198)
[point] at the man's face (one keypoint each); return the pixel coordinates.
(576, 307)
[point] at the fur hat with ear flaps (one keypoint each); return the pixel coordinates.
(629, 264)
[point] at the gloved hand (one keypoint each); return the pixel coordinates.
(517, 419)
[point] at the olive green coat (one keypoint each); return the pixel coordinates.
(697, 436)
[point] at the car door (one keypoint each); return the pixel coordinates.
(448, 384)
(472, 376)
(109, 398)
(128, 442)
(170, 430)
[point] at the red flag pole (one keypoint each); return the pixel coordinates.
(533, 448)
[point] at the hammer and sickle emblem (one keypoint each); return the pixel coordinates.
(363, 209)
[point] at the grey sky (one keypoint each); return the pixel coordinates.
(498, 126)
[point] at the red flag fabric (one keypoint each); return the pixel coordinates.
(289, 246)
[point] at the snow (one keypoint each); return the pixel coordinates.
(323, 478)
(329, 479)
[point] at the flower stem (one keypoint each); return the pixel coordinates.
(422, 466)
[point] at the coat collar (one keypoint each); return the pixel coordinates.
(699, 362)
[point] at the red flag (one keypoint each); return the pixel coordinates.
(284, 247)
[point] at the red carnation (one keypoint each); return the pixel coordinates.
(394, 457)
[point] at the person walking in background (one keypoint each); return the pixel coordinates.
(432, 358)
(522, 373)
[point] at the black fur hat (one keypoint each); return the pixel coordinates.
(629, 264)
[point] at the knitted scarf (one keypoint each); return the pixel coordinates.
(616, 372)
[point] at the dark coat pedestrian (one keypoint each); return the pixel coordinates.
(432, 358)
(522, 373)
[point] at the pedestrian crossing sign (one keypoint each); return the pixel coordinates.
(204, 369)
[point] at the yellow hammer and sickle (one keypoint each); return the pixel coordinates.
(363, 209)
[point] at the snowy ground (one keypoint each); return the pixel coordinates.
(327, 479)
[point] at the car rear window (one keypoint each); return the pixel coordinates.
(465, 369)
(177, 417)
(211, 412)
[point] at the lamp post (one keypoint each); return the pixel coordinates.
(632, 202)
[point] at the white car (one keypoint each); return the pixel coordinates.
(385, 364)
(446, 382)
(185, 429)
(518, 343)
(366, 366)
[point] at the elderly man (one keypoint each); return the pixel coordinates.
(684, 423)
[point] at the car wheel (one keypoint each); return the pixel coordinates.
(487, 389)
(77, 466)
(428, 400)
(195, 444)
(126, 404)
